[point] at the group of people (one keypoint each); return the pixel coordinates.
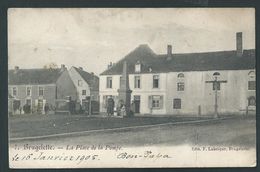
(120, 109)
(27, 109)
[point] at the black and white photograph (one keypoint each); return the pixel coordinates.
(131, 87)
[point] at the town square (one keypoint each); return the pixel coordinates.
(123, 86)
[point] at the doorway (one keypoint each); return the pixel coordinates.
(137, 100)
(17, 107)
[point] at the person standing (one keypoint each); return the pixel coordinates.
(46, 109)
(110, 106)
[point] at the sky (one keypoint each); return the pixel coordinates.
(91, 38)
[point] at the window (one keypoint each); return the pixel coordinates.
(138, 66)
(251, 85)
(216, 85)
(176, 103)
(14, 91)
(251, 74)
(41, 91)
(109, 82)
(180, 75)
(251, 80)
(156, 102)
(80, 83)
(251, 101)
(156, 81)
(137, 82)
(84, 92)
(28, 91)
(180, 86)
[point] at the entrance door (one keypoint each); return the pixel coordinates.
(27, 106)
(16, 106)
(137, 104)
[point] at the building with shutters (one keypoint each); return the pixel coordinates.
(182, 84)
(38, 87)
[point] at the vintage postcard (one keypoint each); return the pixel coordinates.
(126, 87)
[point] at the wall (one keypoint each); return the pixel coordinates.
(75, 76)
(65, 87)
(232, 97)
(49, 93)
(144, 92)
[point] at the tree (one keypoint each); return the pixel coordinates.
(50, 66)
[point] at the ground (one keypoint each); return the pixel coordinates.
(36, 125)
(232, 131)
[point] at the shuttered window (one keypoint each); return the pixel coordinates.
(155, 102)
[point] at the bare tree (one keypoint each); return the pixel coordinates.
(51, 65)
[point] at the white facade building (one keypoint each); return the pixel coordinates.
(177, 84)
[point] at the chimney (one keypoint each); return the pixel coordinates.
(109, 65)
(239, 42)
(63, 67)
(169, 52)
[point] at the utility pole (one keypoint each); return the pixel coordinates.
(216, 86)
(89, 108)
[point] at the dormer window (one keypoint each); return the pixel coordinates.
(138, 67)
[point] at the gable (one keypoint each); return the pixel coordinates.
(89, 78)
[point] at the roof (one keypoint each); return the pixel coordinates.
(33, 76)
(205, 61)
(90, 78)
